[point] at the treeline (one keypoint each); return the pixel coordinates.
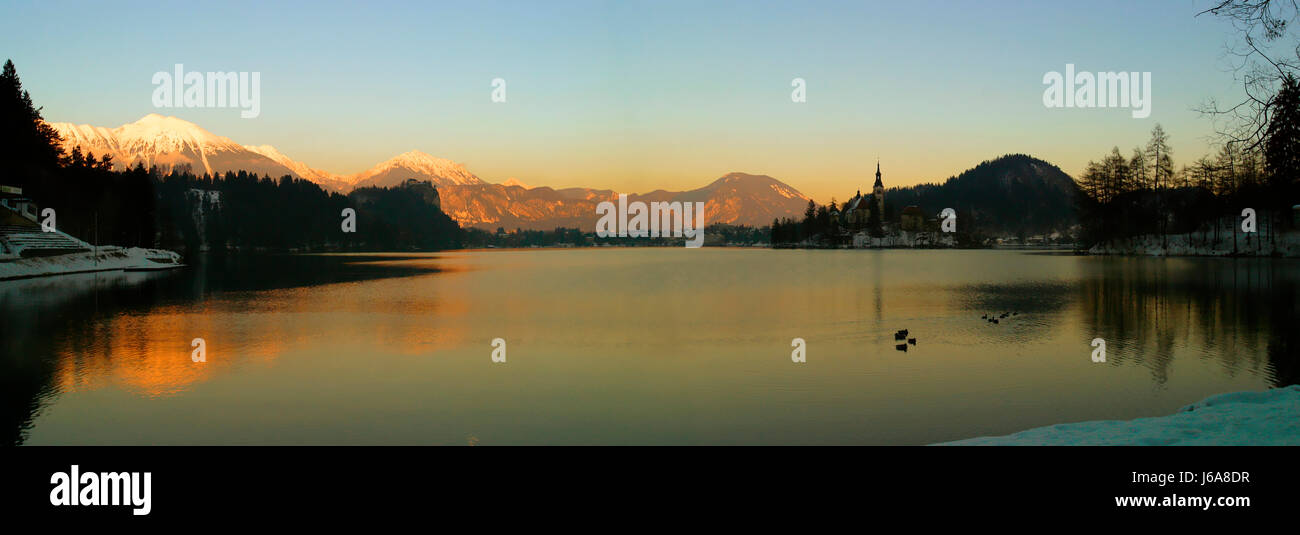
(716, 234)
(737, 234)
(242, 211)
(237, 211)
(94, 203)
(559, 237)
(1145, 194)
(1255, 168)
(823, 226)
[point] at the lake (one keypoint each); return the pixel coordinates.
(634, 346)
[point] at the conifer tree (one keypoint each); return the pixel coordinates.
(27, 143)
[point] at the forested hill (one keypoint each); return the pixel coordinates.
(245, 212)
(1013, 194)
(237, 211)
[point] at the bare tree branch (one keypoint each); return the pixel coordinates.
(1264, 25)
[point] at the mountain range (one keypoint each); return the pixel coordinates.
(1010, 194)
(172, 143)
(736, 199)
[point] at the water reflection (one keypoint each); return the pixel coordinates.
(81, 332)
(633, 346)
(1238, 311)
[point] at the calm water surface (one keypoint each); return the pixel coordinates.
(634, 346)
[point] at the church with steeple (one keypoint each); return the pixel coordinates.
(857, 211)
(878, 192)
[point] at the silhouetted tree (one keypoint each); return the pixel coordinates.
(28, 146)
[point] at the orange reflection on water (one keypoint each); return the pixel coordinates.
(151, 352)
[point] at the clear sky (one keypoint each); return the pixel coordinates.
(638, 96)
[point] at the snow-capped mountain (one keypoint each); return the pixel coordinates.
(170, 142)
(324, 178)
(417, 165)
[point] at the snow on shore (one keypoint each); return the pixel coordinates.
(1270, 418)
(107, 258)
(1204, 243)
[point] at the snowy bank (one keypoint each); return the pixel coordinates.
(108, 258)
(1270, 418)
(1204, 243)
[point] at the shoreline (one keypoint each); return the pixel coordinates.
(107, 258)
(1268, 418)
(1227, 244)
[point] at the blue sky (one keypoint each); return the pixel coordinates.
(642, 95)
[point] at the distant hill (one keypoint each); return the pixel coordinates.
(741, 199)
(417, 165)
(1008, 195)
(736, 199)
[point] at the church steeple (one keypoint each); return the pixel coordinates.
(878, 192)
